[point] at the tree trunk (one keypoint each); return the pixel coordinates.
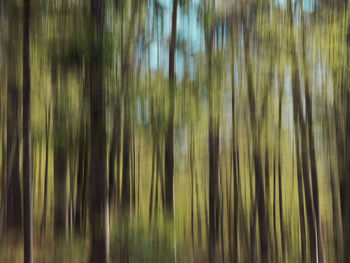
(47, 131)
(346, 207)
(14, 211)
(27, 177)
(259, 186)
(126, 198)
(280, 169)
(80, 178)
(213, 139)
(169, 138)
(299, 122)
(98, 197)
(60, 192)
(235, 160)
(115, 150)
(60, 161)
(312, 154)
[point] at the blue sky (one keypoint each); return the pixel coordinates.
(189, 29)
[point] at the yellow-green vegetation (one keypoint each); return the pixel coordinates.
(241, 109)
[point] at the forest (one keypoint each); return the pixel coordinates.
(175, 131)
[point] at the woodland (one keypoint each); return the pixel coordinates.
(175, 131)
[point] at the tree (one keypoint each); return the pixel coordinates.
(259, 187)
(213, 140)
(47, 131)
(169, 138)
(98, 197)
(14, 212)
(27, 167)
(60, 160)
(300, 128)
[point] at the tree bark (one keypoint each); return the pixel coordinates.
(169, 138)
(300, 123)
(311, 144)
(280, 169)
(27, 177)
(47, 131)
(259, 186)
(60, 161)
(80, 178)
(115, 151)
(98, 197)
(14, 211)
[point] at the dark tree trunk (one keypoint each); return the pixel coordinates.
(152, 183)
(115, 151)
(191, 160)
(84, 201)
(126, 198)
(334, 193)
(300, 123)
(235, 161)
(300, 194)
(60, 192)
(169, 137)
(213, 139)
(311, 143)
(47, 131)
(98, 197)
(133, 170)
(80, 178)
(14, 211)
(127, 86)
(280, 169)
(60, 162)
(27, 177)
(295, 79)
(346, 206)
(259, 182)
(274, 208)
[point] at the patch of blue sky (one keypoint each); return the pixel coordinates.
(308, 5)
(188, 29)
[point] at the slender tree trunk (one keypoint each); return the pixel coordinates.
(86, 177)
(335, 212)
(199, 220)
(14, 211)
(274, 207)
(115, 150)
(234, 160)
(47, 131)
(60, 192)
(169, 138)
(346, 207)
(312, 154)
(297, 148)
(299, 122)
(133, 185)
(80, 178)
(126, 155)
(71, 193)
(280, 169)
(301, 196)
(98, 197)
(127, 83)
(60, 162)
(213, 139)
(5, 187)
(259, 186)
(152, 183)
(27, 177)
(191, 159)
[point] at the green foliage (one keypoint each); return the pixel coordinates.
(139, 244)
